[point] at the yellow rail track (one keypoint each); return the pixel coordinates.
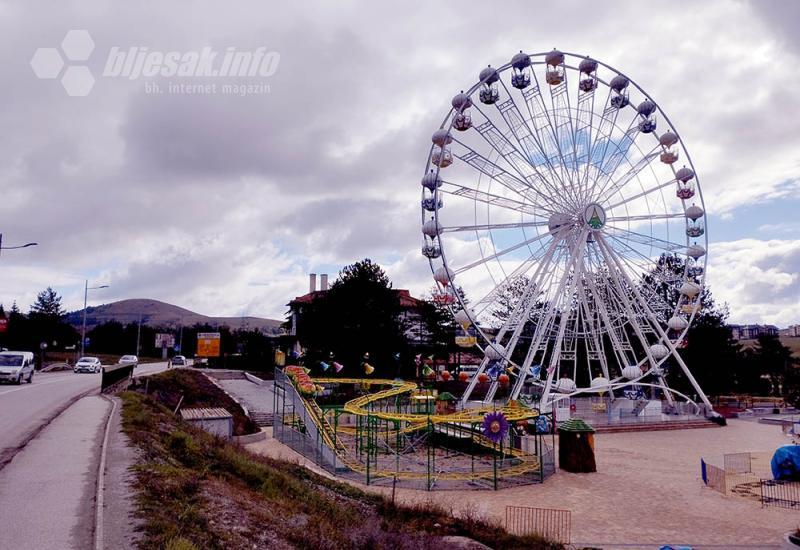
(525, 463)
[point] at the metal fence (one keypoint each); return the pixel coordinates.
(738, 463)
(783, 494)
(714, 477)
(552, 524)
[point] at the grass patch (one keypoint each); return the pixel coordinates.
(197, 391)
(198, 491)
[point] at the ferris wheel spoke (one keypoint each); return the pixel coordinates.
(667, 342)
(619, 152)
(498, 174)
(641, 269)
(611, 187)
(573, 261)
(646, 217)
(457, 190)
(486, 300)
(640, 194)
(502, 253)
(540, 119)
(491, 226)
(565, 130)
(502, 146)
(602, 137)
(585, 129)
(530, 140)
(629, 295)
(525, 302)
(648, 240)
(512, 156)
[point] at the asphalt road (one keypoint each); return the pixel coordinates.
(51, 439)
(26, 409)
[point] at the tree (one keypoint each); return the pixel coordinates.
(509, 298)
(359, 314)
(48, 304)
(774, 362)
(440, 325)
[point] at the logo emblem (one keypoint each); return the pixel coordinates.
(595, 216)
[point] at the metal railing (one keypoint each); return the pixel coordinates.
(113, 375)
(553, 524)
(779, 493)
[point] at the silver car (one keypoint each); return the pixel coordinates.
(88, 364)
(129, 360)
(16, 366)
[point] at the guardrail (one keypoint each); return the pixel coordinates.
(112, 375)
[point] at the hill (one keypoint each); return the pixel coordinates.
(160, 314)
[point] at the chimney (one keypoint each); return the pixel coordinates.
(323, 281)
(312, 282)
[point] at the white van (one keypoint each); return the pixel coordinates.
(16, 366)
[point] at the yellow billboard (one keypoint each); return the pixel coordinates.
(208, 344)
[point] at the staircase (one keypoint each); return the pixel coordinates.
(226, 374)
(656, 426)
(639, 406)
(262, 419)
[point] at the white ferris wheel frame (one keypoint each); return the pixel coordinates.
(550, 186)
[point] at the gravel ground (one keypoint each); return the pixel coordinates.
(647, 491)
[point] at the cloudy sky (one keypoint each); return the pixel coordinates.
(223, 204)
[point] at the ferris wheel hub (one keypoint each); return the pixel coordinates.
(594, 217)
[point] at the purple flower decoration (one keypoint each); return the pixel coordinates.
(495, 426)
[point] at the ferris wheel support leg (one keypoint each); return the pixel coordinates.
(577, 267)
(541, 331)
(593, 334)
(517, 315)
(612, 334)
(664, 336)
(631, 313)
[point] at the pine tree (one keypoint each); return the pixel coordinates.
(48, 304)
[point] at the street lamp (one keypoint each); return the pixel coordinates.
(26, 245)
(86, 290)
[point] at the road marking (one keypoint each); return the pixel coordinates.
(34, 385)
(98, 519)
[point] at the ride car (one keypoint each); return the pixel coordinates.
(129, 360)
(179, 361)
(87, 364)
(16, 366)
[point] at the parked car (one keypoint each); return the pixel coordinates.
(179, 361)
(129, 360)
(88, 364)
(16, 366)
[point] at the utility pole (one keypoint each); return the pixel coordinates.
(83, 330)
(86, 290)
(138, 334)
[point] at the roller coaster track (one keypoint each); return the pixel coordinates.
(416, 421)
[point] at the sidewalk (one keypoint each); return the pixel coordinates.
(48, 492)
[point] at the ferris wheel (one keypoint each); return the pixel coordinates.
(559, 197)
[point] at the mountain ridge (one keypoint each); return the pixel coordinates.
(162, 314)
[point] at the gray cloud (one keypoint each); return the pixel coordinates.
(190, 199)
